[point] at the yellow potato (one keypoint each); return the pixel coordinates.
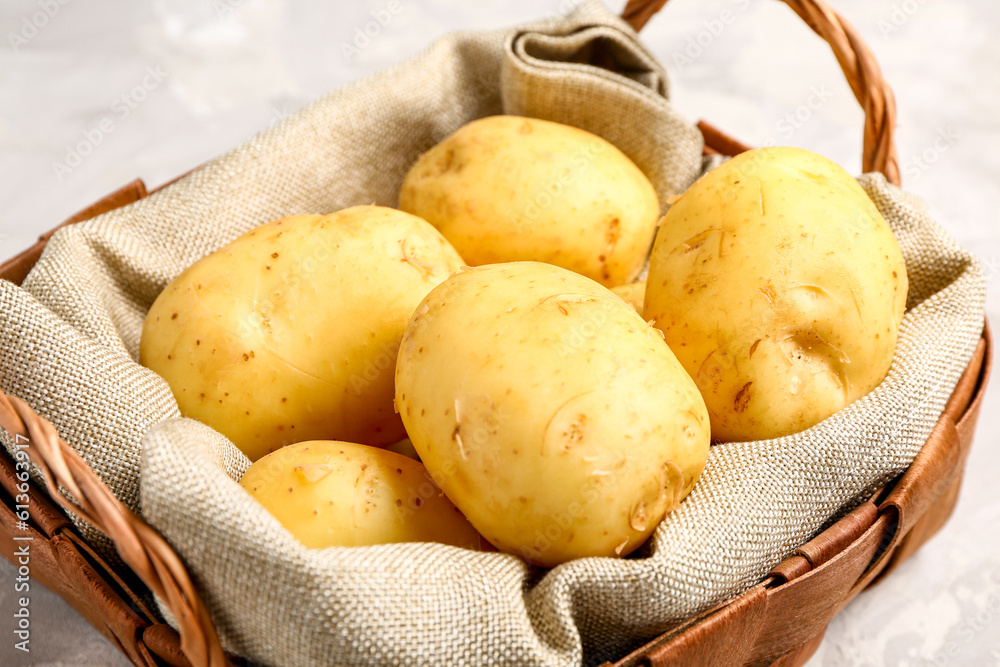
(329, 493)
(508, 188)
(781, 288)
(290, 333)
(403, 447)
(633, 294)
(548, 411)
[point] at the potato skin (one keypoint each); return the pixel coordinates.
(329, 493)
(633, 294)
(290, 333)
(549, 412)
(509, 188)
(781, 288)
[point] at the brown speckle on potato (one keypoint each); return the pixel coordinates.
(742, 398)
(574, 432)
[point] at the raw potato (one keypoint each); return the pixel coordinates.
(507, 188)
(633, 294)
(290, 333)
(405, 448)
(781, 288)
(329, 493)
(549, 412)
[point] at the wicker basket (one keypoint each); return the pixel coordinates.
(780, 621)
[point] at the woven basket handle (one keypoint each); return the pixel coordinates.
(138, 544)
(859, 65)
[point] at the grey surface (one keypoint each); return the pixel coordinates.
(232, 67)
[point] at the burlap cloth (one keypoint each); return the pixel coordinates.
(70, 340)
